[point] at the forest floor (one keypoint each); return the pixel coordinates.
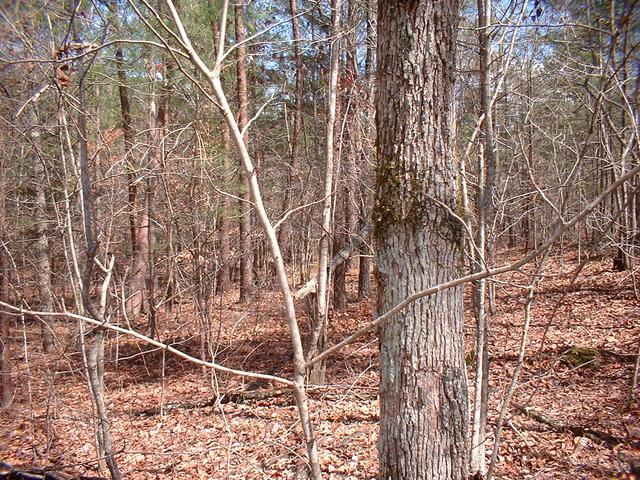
(250, 435)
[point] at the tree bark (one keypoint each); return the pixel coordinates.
(224, 231)
(423, 383)
(42, 241)
(286, 231)
(317, 340)
(138, 215)
(5, 365)
(364, 268)
(246, 261)
(486, 179)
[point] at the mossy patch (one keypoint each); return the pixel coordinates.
(582, 357)
(470, 358)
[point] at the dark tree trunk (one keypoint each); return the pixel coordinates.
(423, 384)
(138, 215)
(224, 280)
(246, 261)
(286, 230)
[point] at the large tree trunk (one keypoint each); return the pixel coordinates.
(423, 384)
(246, 261)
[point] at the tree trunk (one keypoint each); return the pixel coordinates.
(5, 365)
(42, 241)
(246, 261)
(95, 358)
(224, 231)
(486, 179)
(351, 138)
(317, 340)
(159, 125)
(138, 216)
(364, 268)
(285, 232)
(423, 383)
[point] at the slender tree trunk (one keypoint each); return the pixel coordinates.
(129, 138)
(224, 231)
(286, 230)
(530, 203)
(95, 356)
(246, 261)
(138, 216)
(6, 389)
(486, 179)
(159, 125)
(423, 382)
(317, 340)
(350, 137)
(42, 240)
(340, 237)
(338, 218)
(364, 269)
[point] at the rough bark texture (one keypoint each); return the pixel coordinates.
(423, 385)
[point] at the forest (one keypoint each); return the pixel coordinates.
(305, 239)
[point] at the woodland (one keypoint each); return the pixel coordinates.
(304, 239)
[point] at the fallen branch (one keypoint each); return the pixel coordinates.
(8, 471)
(223, 398)
(577, 430)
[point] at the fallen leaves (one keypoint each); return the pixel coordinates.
(261, 438)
